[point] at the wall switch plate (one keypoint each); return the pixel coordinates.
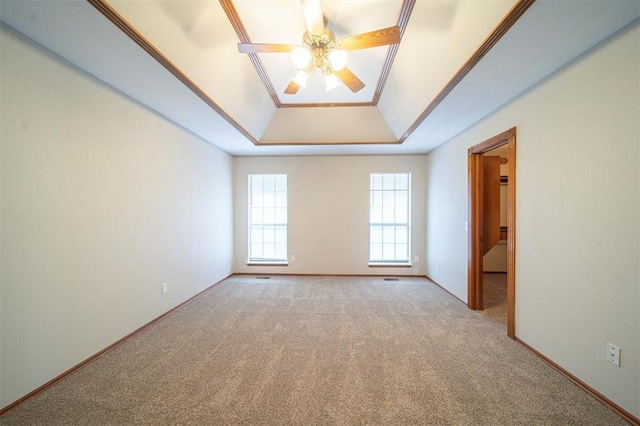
(438, 264)
(416, 259)
(164, 288)
(293, 257)
(613, 354)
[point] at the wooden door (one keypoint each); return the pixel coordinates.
(476, 224)
(490, 184)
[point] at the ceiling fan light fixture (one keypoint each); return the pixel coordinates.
(331, 81)
(320, 51)
(301, 78)
(338, 59)
(300, 57)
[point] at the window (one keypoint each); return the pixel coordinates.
(390, 195)
(268, 218)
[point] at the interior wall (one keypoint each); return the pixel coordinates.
(328, 212)
(102, 202)
(496, 259)
(577, 214)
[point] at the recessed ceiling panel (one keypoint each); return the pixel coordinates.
(335, 125)
(282, 22)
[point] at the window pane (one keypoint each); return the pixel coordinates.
(376, 234)
(402, 252)
(256, 215)
(388, 251)
(256, 251)
(269, 234)
(388, 215)
(376, 252)
(281, 199)
(402, 198)
(402, 237)
(256, 199)
(281, 183)
(376, 181)
(269, 182)
(281, 251)
(388, 181)
(401, 214)
(389, 205)
(266, 241)
(256, 183)
(388, 235)
(256, 234)
(376, 215)
(269, 215)
(281, 235)
(376, 198)
(269, 198)
(281, 215)
(402, 181)
(388, 198)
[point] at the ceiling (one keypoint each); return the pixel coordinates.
(458, 60)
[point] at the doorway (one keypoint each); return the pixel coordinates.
(483, 230)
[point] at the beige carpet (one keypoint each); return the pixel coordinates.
(318, 350)
(495, 297)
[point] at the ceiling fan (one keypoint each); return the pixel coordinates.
(321, 51)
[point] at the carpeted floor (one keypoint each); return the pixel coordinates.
(318, 350)
(495, 297)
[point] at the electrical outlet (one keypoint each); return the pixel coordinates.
(164, 288)
(415, 271)
(613, 354)
(416, 259)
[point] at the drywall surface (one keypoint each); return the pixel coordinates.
(328, 212)
(102, 202)
(577, 214)
(496, 259)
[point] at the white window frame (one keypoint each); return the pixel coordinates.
(268, 218)
(390, 219)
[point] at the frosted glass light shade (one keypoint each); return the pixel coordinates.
(338, 59)
(301, 78)
(300, 57)
(331, 81)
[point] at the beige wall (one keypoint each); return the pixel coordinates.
(496, 259)
(577, 218)
(329, 211)
(102, 202)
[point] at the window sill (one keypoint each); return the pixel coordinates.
(389, 265)
(257, 263)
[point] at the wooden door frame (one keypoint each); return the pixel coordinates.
(475, 287)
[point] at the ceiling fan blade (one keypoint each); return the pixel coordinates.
(312, 10)
(349, 79)
(264, 48)
(292, 88)
(376, 38)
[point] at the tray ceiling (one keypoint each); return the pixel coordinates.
(180, 58)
